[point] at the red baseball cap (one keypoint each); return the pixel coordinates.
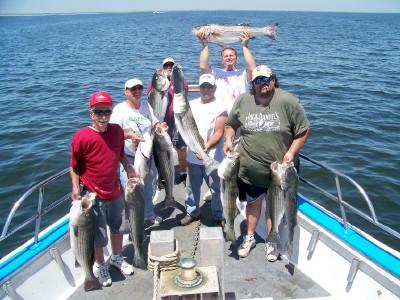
(100, 97)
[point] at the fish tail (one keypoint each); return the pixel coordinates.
(91, 284)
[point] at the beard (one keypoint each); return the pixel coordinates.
(264, 94)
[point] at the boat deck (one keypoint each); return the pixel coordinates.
(251, 277)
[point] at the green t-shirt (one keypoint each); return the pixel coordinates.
(267, 132)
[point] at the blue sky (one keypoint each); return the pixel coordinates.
(74, 6)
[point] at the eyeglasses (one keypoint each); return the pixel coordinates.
(167, 65)
(260, 79)
(102, 112)
(136, 88)
(206, 86)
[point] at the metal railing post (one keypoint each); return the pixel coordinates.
(39, 214)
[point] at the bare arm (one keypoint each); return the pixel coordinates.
(76, 190)
(248, 57)
(128, 168)
(229, 136)
(297, 144)
(204, 54)
(218, 132)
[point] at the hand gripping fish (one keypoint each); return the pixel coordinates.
(82, 238)
(134, 197)
(186, 124)
(282, 200)
(229, 34)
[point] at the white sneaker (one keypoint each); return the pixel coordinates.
(271, 252)
(118, 262)
(248, 243)
(207, 196)
(101, 272)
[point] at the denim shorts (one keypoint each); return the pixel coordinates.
(107, 212)
(249, 193)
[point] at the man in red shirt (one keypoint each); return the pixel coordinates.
(96, 152)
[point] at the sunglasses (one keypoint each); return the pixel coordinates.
(136, 88)
(206, 86)
(260, 79)
(166, 65)
(102, 112)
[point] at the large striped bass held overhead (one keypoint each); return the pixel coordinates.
(229, 34)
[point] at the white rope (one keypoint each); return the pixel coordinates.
(166, 262)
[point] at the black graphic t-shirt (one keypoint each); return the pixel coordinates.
(267, 132)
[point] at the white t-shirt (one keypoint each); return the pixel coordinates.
(230, 84)
(140, 121)
(205, 115)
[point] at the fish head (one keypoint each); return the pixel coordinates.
(162, 140)
(160, 81)
(180, 104)
(81, 212)
(229, 166)
(132, 183)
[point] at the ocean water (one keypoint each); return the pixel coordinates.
(344, 68)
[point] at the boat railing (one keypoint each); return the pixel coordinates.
(40, 211)
(372, 218)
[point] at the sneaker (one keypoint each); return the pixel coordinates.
(158, 220)
(271, 252)
(153, 221)
(101, 272)
(188, 219)
(207, 196)
(248, 243)
(119, 263)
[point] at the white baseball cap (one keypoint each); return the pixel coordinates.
(262, 70)
(133, 82)
(207, 78)
(167, 60)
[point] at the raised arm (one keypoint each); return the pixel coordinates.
(248, 57)
(204, 54)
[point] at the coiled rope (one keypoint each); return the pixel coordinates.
(156, 264)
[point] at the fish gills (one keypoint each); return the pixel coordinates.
(83, 239)
(134, 197)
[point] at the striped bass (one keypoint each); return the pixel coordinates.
(229, 34)
(163, 158)
(82, 238)
(186, 124)
(134, 197)
(282, 201)
(228, 172)
(158, 98)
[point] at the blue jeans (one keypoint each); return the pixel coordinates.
(196, 174)
(149, 186)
